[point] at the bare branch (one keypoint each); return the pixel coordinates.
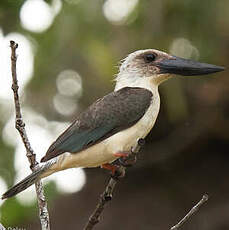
(108, 193)
(190, 213)
(20, 126)
(2, 227)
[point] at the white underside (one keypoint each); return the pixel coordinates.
(104, 151)
(122, 141)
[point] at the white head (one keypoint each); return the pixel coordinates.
(148, 68)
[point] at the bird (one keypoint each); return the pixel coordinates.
(113, 124)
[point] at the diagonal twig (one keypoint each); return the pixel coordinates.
(190, 213)
(106, 196)
(20, 126)
(2, 227)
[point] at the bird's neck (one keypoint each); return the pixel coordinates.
(133, 80)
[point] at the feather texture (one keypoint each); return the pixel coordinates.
(107, 116)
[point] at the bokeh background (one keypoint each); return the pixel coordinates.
(67, 57)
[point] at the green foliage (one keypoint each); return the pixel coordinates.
(13, 213)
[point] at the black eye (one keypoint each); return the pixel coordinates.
(149, 57)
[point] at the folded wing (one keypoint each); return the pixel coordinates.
(107, 116)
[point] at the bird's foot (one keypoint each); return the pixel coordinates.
(121, 154)
(116, 171)
(128, 161)
(110, 167)
(125, 159)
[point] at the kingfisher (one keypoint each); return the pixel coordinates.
(112, 125)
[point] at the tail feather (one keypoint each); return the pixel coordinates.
(28, 181)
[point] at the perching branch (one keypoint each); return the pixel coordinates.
(108, 192)
(190, 213)
(20, 126)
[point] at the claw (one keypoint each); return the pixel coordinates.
(112, 168)
(127, 162)
(116, 173)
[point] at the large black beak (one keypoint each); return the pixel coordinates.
(185, 67)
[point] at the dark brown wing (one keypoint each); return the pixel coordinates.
(108, 115)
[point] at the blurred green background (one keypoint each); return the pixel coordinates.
(68, 55)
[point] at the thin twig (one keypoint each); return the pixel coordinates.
(2, 227)
(191, 212)
(108, 192)
(20, 126)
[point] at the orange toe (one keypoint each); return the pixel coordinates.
(110, 167)
(121, 154)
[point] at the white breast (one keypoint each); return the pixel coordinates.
(122, 141)
(126, 139)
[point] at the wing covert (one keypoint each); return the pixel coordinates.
(107, 116)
